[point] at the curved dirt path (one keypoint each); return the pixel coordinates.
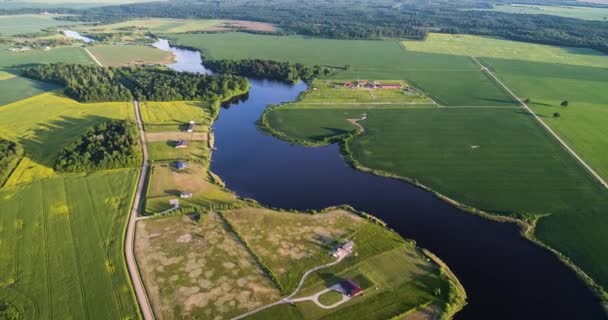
(288, 299)
(138, 286)
(527, 108)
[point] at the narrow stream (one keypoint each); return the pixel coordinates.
(506, 276)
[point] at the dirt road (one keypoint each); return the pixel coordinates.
(138, 286)
(93, 57)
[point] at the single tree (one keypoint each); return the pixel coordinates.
(564, 103)
(527, 101)
(556, 115)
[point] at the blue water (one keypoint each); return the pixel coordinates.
(506, 276)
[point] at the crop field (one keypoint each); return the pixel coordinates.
(28, 23)
(174, 116)
(334, 91)
(586, 13)
(468, 45)
(171, 26)
(65, 54)
(582, 124)
(448, 79)
(536, 175)
(397, 277)
(167, 183)
(199, 269)
(44, 124)
(125, 55)
(18, 88)
(61, 249)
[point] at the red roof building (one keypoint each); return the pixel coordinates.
(351, 288)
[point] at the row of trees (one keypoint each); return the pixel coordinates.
(268, 69)
(87, 83)
(10, 153)
(374, 19)
(112, 144)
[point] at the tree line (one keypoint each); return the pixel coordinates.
(109, 145)
(87, 83)
(10, 154)
(269, 69)
(375, 19)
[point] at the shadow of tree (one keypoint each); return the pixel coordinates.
(44, 143)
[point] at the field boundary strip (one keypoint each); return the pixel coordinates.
(93, 57)
(560, 140)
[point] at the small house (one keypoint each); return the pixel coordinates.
(190, 126)
(344, 249)
(174, 202)
(349, 84)
(181, 165)
(185, 195)
(362, 83)
(181, 144)
(351, 288)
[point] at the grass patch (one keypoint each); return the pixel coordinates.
(175, 116)
(62, 54)
(334, 91)
(126, 55)
(330, 298)
(199, 269)
(18, 88)
(468, 45)
(29, 23)
(61, 250)
(448, 79)
(395, 275)
(166, 151)
(46, 123)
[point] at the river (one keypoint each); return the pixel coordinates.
(506, 276)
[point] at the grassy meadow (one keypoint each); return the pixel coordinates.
(45, 123)
(585, 13)
(63, 54)
(175, 116)
(468, 45)
(29, 23)
(396, 276)
(126, 55)
(448, 79)
(61, 251)
(18, 88)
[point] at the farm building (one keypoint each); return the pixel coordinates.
(181, 165)
(190, 126)
(344, 249)
(351, 288)
(390, 86)
(185, 195)
(181, 144)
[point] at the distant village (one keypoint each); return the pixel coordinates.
(371, 84)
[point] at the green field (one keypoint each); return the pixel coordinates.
(44, 124)
(174, 116)
(500, 160)
(61, 251)
(63, 54)
(28, 23)
(18, 88)
(396, 276)
(334, 91)
(448, 79)
(124, 55)
(468, 45)
(586, 13)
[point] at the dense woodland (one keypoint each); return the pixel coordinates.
(268, 69)
(109, 145)
(96, 84)
(353, 19)
(10, 154)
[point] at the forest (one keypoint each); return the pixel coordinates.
(268, 69)
(109, 145)
(87, 83)
(374, 19)
(10, 154)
